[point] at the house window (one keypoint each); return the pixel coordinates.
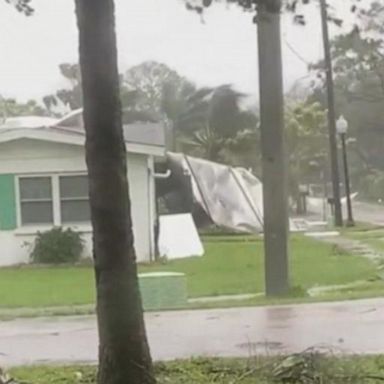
(74, 201)
(54, 200)
(36, 202)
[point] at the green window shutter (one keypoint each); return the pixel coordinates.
(7, 203)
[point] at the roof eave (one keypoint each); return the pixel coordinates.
(72, 139)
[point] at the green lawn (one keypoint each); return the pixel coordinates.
(231, 265)
(43, 287)
(255, 370)
(373, 237)
(235, 266)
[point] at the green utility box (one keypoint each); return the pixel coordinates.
(163, 290)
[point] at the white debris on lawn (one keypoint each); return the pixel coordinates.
(5, 378)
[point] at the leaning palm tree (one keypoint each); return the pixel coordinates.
(185, 109)
(219, 130)
(204, 143)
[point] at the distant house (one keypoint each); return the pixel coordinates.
(43, 182)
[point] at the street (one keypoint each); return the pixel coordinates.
(368, 213)
(350, 327)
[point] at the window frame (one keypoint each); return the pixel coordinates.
(70, 199)
(56, 201)
(20, 201)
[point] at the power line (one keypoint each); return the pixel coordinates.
(296, 53)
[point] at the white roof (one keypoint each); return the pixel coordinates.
(28, 122)
(144, 138)
(140, 132)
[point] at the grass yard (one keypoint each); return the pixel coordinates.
(319, 369)
(373, 237)
(235, 266)
(231, 265)
(45, 287)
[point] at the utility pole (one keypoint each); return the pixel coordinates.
(274, 161)
(331, 117)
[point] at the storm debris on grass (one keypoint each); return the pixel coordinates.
(313, 366)
(5, 378)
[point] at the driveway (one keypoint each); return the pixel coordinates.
(351, 327)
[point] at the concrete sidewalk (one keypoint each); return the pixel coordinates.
(351, 327)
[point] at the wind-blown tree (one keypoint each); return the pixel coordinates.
(198, 119)
(360, 98)
(358, 66)
(152, 91)
(71, 96)
(174, 99)
(11, 107)
(294, 7)
(306, 137)
(224, 131)
(149, 79)
(358, 58)
(185, 110)
(204, 121)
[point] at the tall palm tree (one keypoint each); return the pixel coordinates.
(123, 352)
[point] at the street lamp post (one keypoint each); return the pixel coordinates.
(342, 128)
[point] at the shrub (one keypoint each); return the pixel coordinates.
(57, 246)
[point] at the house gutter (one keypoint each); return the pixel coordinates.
(165, 175)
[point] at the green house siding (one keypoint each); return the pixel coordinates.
(7, 203)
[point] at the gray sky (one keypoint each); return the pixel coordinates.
(222, 50)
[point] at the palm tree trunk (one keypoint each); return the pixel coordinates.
(123, 352)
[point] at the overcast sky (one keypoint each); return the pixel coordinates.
(221, 50)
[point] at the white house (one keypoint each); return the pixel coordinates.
(43, 182)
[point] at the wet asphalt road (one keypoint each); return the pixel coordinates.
(368, 213)
(349, 327)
